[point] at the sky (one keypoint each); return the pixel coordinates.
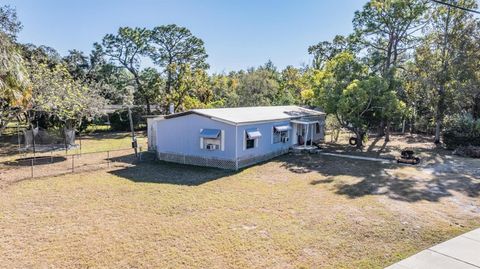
(237, 34)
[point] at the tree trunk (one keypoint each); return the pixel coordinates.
(443, 80)
(141, 90)
(439, 114)
(412, 121)
(476, 107)
(437, 131)
(147, 102)
(359, 137)
(387, 132)
(381, 129)
(169, 79)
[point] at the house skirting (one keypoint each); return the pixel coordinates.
(261, 158)
(217, 163)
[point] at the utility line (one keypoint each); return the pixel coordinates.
(456, 6)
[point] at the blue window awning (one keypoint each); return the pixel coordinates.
(210, 133)
(253, 134)
(282, 128)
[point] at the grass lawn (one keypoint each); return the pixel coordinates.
(297, 211)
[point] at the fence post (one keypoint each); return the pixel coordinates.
(73, 163)
(31, 170)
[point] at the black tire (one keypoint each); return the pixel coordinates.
(352, 141)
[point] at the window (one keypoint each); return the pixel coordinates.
(317, 128)
(250, 144)
(211, 144)
(280, 134)
(211, 139)
(251, 138)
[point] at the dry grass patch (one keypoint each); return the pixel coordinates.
(295, 211)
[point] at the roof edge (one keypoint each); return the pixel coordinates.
(196, 112)
(186, 113)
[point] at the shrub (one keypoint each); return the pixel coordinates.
(470, 151)
(461, 130)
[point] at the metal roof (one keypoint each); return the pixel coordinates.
(239, 115)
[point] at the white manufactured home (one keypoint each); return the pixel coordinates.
(232, 138)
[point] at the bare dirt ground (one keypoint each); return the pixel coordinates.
(433, 157)
(295, 211)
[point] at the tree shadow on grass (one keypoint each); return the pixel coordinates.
(44, 160)
(169, 173)
(110, 135)
(358, 178)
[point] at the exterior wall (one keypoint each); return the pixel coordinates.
(181, 136)
(152, 133)
(265, 149)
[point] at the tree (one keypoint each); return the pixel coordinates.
(292, 83)
(77, 64)
(173, 48)
(353, 96)
(325, 50)
(446, 62)
(193, 89)
(115, 83)
(9, 23)
(15, 87)
(152, 84)
(388, 30)
(224, 89)
(57, 94)
(257, 87)
(126, 49)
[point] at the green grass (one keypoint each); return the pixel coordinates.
(91, 128)
(292, 212)
(110, 141)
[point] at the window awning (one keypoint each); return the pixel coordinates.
(282, 128)
(210, 133)
(253, 134)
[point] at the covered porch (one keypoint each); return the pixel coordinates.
(304, 134)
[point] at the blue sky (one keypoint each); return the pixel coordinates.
(237, 34)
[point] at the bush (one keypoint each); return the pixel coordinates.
(119, 119)
(461, 131)
(470, 151)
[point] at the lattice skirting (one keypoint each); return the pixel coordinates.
(218, 163)
(257, 159)
(196, 160)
